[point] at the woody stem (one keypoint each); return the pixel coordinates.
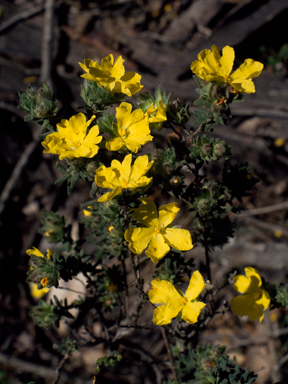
(167, 345)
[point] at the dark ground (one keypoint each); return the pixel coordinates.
(158, 39)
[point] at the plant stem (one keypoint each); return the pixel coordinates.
(173, 368)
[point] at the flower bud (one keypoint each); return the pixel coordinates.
(39, 103)
(207, 150)
(219, 149)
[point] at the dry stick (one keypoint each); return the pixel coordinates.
(262, 210)
(42, 371)
(47, 40)
(59, 368)
(17, 171)
(21, 16)
(173, 368)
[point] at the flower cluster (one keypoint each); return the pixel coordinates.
(148, 228)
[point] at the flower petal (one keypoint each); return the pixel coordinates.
(248, 70)
(140, 167)
(147, 213)
(248, 284)
(178, 238)
(264, 299)
(138, 238)
(242, 305)
(195, 287)
(37, 293)
(114, 144)
(34, 251)
(126, 167)
(110, 195)
(227, 60)
(162, 315)
(107, 177)
(191, 311)
(162, 291)
(167, 214)
(157, 248)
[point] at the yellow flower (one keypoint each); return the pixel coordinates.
(72, 140)
(254, 300)
(34, 251)
(87, 213)
(163, 292)
(279, 142)
(133, 129)
(112, 75)
(211, 66)
(122, 176)
(157, 114)
(37, 293)
(157, 234)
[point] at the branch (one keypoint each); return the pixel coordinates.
(20, 17)
(262, 210)
(47, 41)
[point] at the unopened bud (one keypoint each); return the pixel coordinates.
(219, 149)
(207, 149)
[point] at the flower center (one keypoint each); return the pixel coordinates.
(44, 281)
(122, 132)
(157, 229)
(124, 183)
(256, 295)
(75, 145)
(183, 300)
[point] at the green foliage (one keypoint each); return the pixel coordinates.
(68, 346)
(282, 295)
(77, 168)
(209, 365)
(173, 268)
(178, 113)
(53, 227)
(108, 361)
(205, 149)
(213, 104)
(206, 197)
(46, 315)
(98, 98)
(106, 225)
(4, 377)
(166, 170)
(40, 104)
(106, 123)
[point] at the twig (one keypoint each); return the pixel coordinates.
(47, 40)
(17, 171)
(59, 368)
(71, 290)
(173, 368)
(21, 16)
(125, 284)
(20, 365)
(262, 210)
